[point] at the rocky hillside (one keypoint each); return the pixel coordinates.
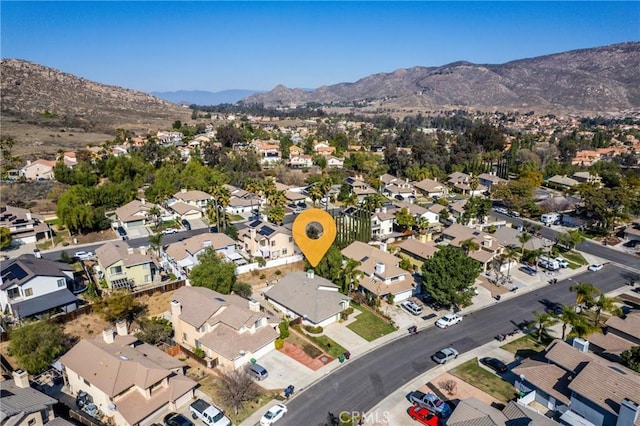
(589, 81)
(45, 96)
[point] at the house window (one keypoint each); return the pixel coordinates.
(290, 239)
(147, 278)
(13, 292)
(198, 345)
(28, 292)
(116, 270)
(61, 282)
(284, 251)
(273, 243)
(185, 338)
(86, 382)
(32, 422)
(145, 266)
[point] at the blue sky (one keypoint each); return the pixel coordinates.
(165, 46)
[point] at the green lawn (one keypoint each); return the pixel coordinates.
(526, 346)
(328, 345)
(472, 373)
(368, 325)
(575, 259)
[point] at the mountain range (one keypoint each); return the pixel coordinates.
(203, 97)
(598, 80)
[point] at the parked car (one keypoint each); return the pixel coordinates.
(449, 319)
(177, 419)
(430, 402)
(595, 267)
(502, 210)
(170, 231)
(514, 213)
(257, 371)
(274, 414)
(423, 416)
(554, 308)
(186, 224)
(495, 364)
(562, 262)
(528, 270)
(632, 243)
(210, 415)
(412, 307)
(444, 355)
(84, 255)
(121, 231)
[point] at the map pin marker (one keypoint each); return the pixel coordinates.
(314, 231)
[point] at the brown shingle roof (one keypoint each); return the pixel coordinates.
(134, 210)
(193, 195)
(418, 248)
(112, 252)
(549, 378)
(179, 250)
(226, 341)
(629, 325)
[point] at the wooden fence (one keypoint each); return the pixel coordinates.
(84, 419)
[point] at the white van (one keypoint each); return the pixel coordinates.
(548, 263)
(551, 219)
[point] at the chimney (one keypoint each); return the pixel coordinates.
(581, 344)
(380, 268)
(310, 274)
(121, 327)
(383, 246)
(28, 214)
(487, 241)
(107, 335)
(143, 201)
(628, 415)
(36, 253)
(21, 379)
(384, 210)
(254, 305)
(183, 190)
(176, 308)
(129, 250)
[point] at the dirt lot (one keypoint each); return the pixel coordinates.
(260, 279)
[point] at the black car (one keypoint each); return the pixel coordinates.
(176, 419)
(186, 224)
(632, 243)
(495, 364)
(122, 232)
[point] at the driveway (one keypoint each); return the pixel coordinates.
(284, 371)
(136, 232)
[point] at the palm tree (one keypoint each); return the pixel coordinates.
(510, 254)
(156, 242)
(569, 317)
(571, 238)
(585, 293)
(607, 304)
(474, 182)
(543, 321)
(524, 237)
(350, 200)
(536, 254)
(350, 276)
(469, 245)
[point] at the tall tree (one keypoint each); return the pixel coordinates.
(543, 321)
(469, 245)
(36, 345)
(568, 316)
(606, 304)
(213, 272)
(156, 242)
(5, 237)
(585, 294)
(448, 276)
(236, 388)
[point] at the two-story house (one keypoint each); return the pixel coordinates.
(184, 254)
(199, 199)
(24, 227)
(488, 246)
(462, 182)
(229, 329)
(400, 190)
(266, 240)
(295, 150)
(301, 161)
(381, 274)
(382, 223)
(130, 382)
(335, 162)
(22, 405)
(431, 188)
(32, 286)
(315, 300)
(581, 386)
(359, 187)
(122, 266)
(40, 169)
(133, 214)
(489, 180)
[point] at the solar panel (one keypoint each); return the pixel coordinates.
(266, 231)
(254, 224)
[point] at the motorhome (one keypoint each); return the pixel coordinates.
(551, 219)
(548, 263)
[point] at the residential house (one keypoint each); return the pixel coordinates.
(488, 180)
(301, 161)
(462, 182)
(24, 227)
(242, 201)
(381, 275)
(184, 254)
(587, 177)
(133, 214)
(489, 248)
(269, 152)
(619, 335)
(295, 150)
(456, 209)
(122, 266)
(399, 190)
(585, 158)
(166, 138)
(199, 199)
(382, 223)
(632, 232)
(33, 286)
(431, 188)
(563, 182)
(472, 411)
(359, 188)
(334, 162)
(324, 149)
(40, 169)
(229, 329)
(417, 211)
(185, 211)
(418, 250)
(21, 405)
(130, 382)
(266, 240)
(69, 159)
(315, 300)
(565, 382)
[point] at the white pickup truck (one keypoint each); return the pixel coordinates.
(210, 415)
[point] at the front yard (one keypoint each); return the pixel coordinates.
(472, 373)
(368, 325)
(526, 346)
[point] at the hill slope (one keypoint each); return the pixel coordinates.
(29, 89)
(598, 80)
(202, 97)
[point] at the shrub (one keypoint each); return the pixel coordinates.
(315, 329)
(278, 272)
(199, 352)
(284, 329)
(279, 343)
(263, 276)
(243, 290)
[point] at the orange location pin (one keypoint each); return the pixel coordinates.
(314, 231)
